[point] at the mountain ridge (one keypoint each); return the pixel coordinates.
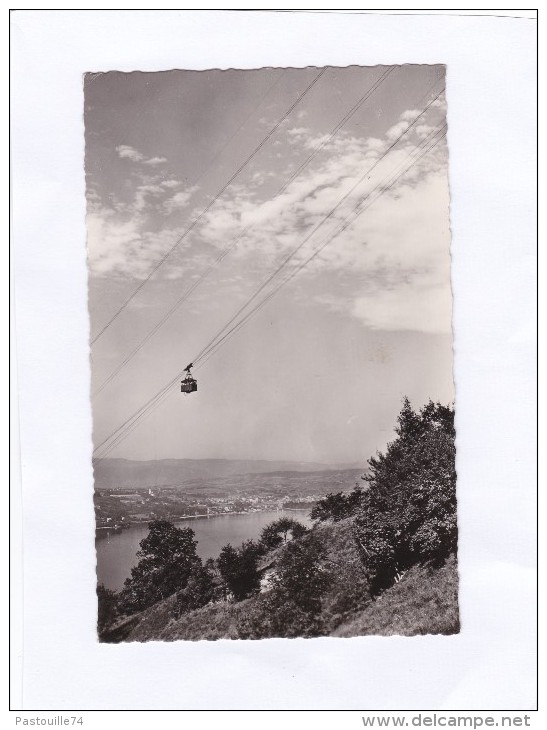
(119, 472)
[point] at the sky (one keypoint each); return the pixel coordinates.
(200, 187)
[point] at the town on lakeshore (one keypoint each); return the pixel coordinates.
(119, 506)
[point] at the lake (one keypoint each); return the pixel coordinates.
(117, 551)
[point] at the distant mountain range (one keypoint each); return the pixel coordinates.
(173, 472)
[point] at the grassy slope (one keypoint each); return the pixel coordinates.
(423, 602)
(218, 621)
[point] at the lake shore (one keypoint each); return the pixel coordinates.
(117, 549)
(131, 523)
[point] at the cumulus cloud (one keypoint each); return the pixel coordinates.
(126, 246)
(298, 131)
(155, 161)
(111, 241)
(127, 152)
(143, 195)
(179, 200)
(394, 256)
(397, 129)
(417, 305)
(130, 153)
(397, 250)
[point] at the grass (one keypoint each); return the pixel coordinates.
(425, 601)
(217, 621)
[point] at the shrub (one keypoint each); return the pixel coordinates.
(271, 615)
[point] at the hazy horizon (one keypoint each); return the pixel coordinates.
(214, 458)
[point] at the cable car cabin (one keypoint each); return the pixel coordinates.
(188, 385)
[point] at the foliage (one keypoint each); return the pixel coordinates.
(276, 533)
(239, 569)
(349, 589)
(300, 576)
(337, 506)
(408, 513)
(167, 558)
(378, 560)
(107, 603)
(292, 605)
(425, 601)
(214, 621)
(268, 616)
(200, 590)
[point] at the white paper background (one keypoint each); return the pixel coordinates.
(491, 116)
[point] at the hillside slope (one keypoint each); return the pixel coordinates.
(423, 602)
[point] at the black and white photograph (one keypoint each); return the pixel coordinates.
(273, 381)
(271, 353)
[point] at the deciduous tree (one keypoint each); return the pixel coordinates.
(408, 513)
(239, 569)
(336, 507)
(276, 533)
(167, 557)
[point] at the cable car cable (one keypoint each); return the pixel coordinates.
(261, 288)
(129, 425)
(208, 207)
(297, 269)
(234, 243)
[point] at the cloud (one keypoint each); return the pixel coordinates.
(125, 246)
(409, 306)
(391, 262)
(399, 251)
(410, 114)
(143, 195)
(396, 251)
(126, 152)
(179, 200)
(155, 161)
(397, 129)
(110, 241)
(130, 153)
(298, 131)
(422, 130)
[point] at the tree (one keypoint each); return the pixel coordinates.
(167, 557)
(276, 533)
(408, 513)
(239, 569)
(337, 506)
(292, 606)
(199, 590)
(300, 576)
